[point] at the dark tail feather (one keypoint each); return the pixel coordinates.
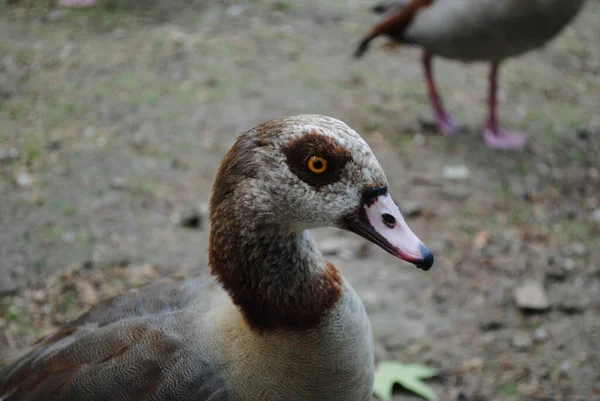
(363, 46)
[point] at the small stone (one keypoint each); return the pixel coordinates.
(472, 365)
(576, 249)
(481, 239)
(3, 154)
(564, 368)
(13, 153)
(412, 209)
(119, 33)
(569, 265)
(101, 141)
(235, 10)
(176, 163)
(89, 132)
(24, 179)
(56, 15)
(596, 216)
(54, 144)
(517, 187)
(138, 275)
(7, 285)
(419, 140)
(530, 296)
(191, 218)
(69, 237)
(573, 303)
(521, 341)
(456, 172)
(491, 325)
(118, 183)
(35, 198)
(87, 293)
(428, 124)
(541, 335)
(556, 273)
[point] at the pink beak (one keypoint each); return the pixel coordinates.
(379, 220)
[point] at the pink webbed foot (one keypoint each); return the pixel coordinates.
(76, 3)
(500, 139)
(447, 125)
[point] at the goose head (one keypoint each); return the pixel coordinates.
(310, 171)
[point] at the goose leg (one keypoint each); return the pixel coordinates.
(494, 135)
(445, 123)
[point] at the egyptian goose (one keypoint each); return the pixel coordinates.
(473, 30)
(276, 322)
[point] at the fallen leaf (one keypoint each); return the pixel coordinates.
(408, 376)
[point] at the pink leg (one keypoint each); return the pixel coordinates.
(494, 135)
(445, 123)
(76, 3)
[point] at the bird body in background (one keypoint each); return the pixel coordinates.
(473, 30)
(277, 321)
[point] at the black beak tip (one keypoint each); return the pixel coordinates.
(426, 259)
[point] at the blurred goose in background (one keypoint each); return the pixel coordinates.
(276, 322)
(473, 30)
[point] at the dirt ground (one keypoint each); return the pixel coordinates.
(113, 121)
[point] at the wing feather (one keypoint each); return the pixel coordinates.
(133, 347)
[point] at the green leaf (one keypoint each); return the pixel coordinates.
(408, 376)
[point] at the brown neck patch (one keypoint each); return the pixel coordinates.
(276, 278)
(300, 150)
(274, 285)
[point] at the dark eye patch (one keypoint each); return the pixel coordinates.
(314, 144)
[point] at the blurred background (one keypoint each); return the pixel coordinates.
(114, 119)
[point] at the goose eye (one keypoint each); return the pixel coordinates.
(317, 164)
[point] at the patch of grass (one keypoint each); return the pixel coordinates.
(515, 217)
(32, 149)
(523, 168)
(149, 96)
(15, 110)
(574, 231)
(53, 233)
(61, 110)
(27, 330)
(578, 157)
(68, 302)
(13, 313)
(510, 390)
(469, 230)
(32, 7)
(145, 187)
(284, 6)
(67, 208)
(24, 57)
(371, 126)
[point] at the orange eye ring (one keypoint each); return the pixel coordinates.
(317, 164)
